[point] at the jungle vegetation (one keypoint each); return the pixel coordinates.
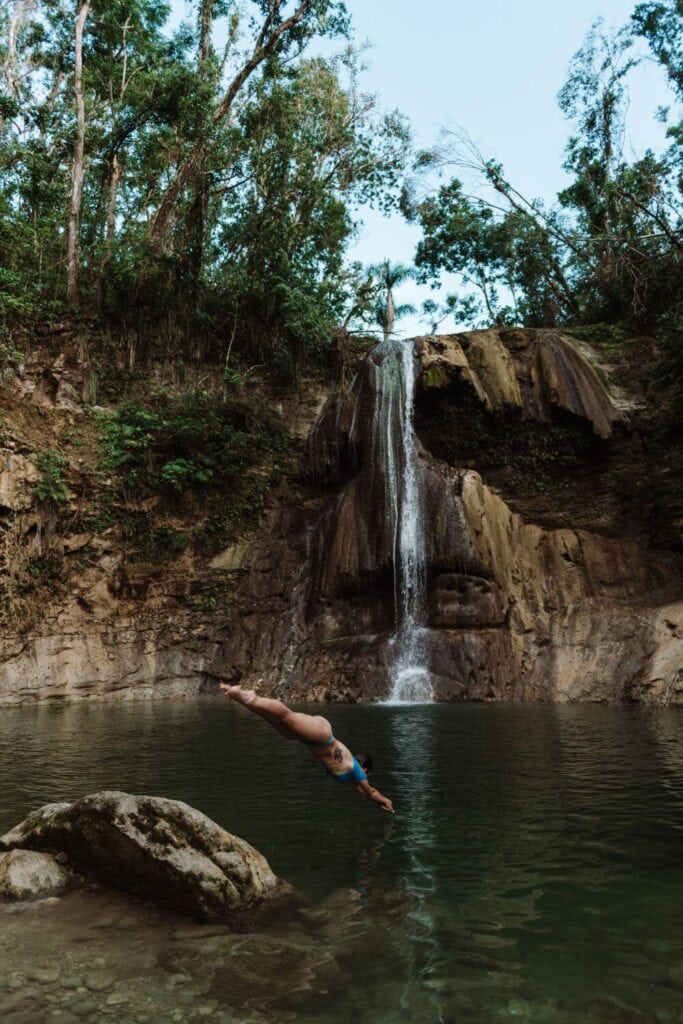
(609, 249)
(190, 194)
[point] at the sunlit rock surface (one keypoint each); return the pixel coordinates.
(160, 849)
(25, 874)
(529, 370)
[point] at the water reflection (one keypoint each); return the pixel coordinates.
(414, 779)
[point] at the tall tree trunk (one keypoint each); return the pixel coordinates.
(72, 249)
(19, 16)
(266, 44)
(389, 315)
(206, 9)
(110, 227)
(114, 176)
(115, 167)
(11, 72)
(198, 210)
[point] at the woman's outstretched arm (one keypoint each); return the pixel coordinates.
(366, 790)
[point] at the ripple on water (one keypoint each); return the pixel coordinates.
(532, 870)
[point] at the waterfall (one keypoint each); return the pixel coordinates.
(395, 450)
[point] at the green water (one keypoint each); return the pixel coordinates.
(533, 870)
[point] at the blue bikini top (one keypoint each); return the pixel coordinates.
(356, 773)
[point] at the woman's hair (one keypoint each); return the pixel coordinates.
(365, 761)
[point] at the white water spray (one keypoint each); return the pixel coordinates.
(396, 450)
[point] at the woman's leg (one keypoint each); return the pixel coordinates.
(294, 724)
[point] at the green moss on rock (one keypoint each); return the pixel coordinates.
(435, 377)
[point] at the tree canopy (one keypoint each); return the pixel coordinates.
(610, 248)
(190, 201)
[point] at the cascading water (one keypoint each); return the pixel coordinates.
(395, 450)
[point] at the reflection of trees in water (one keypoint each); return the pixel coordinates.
(51, 753)
(519, 832)
(534, 855)
(489, 831)
(520, 840)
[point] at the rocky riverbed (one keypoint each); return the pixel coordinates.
(94, 955)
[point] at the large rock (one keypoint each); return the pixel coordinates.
(160, 849)
(25, 874)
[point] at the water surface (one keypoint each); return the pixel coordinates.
(532, 870)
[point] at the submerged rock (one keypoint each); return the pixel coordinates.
(163, 850)
(25, 874)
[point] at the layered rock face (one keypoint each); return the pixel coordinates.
(115, 630)
(542, 581)
(118, 625)
(162, 850)
(516, 611)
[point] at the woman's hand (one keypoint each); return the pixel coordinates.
(383, 801)
(366, 790)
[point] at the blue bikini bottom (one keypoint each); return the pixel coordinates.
(319, 743)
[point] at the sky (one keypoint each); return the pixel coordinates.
(493, 68)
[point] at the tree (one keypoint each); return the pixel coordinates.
(211, 196)
(277, 35)
(72, 264)
(311, 151)
(661, 24)
(610, 248)
(389, 276)
(594, 97)
(13, 69)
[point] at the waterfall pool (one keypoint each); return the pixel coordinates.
(532, 872)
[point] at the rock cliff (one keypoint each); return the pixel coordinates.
(549, 576)
(517, 610)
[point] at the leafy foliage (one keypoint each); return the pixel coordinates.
(187, 442)
(220, 190)
(51, 488)
(46, 572)
(611, 247)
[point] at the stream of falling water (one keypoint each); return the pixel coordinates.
(395, 449)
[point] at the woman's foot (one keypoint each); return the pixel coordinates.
(238, 694)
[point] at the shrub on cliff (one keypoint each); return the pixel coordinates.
(188, 442)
